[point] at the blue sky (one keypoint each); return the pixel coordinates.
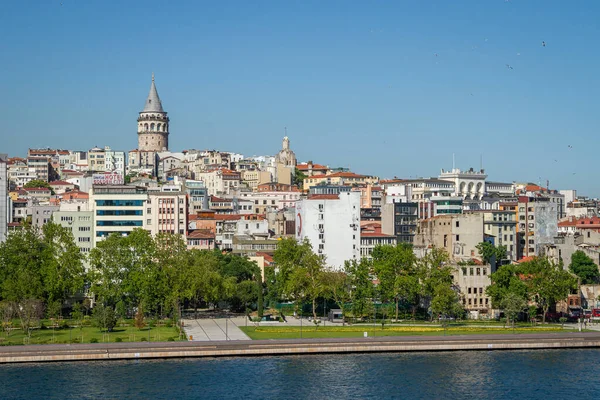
(357, 84)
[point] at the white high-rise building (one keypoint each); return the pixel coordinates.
(331, 223)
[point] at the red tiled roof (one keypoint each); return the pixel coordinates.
(585, 223)
(268, 258)
(59, 183)
(375, 234)
(324, 197)
(37, 189)
(215, 199)
(228, 217)
(201, 234)
(304, 167)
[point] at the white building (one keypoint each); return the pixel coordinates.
(19, 173)
(468, 184)
(332, 225)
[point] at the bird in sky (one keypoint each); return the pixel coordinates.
(508, 66)
(543, 44)
(570, 146)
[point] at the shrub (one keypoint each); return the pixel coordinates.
(169, 324)
(170, 339)
(93, 340)
(76, 340)
(143, 339)
(118, 340)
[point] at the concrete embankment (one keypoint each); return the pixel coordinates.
(121, 351)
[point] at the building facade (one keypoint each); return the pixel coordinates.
(331, 223)
(117, 209)
(400, 220)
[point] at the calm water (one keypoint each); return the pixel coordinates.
(556, 374)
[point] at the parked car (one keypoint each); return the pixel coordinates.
(596, 313)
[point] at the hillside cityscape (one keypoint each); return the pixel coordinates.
(246, 205)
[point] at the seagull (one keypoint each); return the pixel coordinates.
(508, 66)
(436, 54)
(543, 44)
(570, 146)
(555, 160)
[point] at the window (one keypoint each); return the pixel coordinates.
(457, 238)
(471, 271)
(321, 236)
(148, 221)
(83, 239)
(469, 290)
(84, 229)
(457, 224)
(478, 271)
(480, 290)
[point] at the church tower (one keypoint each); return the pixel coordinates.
(153, 124)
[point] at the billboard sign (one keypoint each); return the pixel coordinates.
(107, 178)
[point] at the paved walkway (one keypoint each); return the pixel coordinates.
(213, 329)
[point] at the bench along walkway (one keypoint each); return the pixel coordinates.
(120, 351)
(213, 329)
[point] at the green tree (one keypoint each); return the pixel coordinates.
(104, 317)
(61, 263)
(584, 267)
(299, 177)
(433, 270)
(507, 279)
(139, 320)
(488, 251)
(445, 301)
(362, 286)
(38, 183)
(30, 312)
(339, 288)
(408, 288)
(300, 272)
(390, 263)
(513, 305)
(550, 282)
(8, 311)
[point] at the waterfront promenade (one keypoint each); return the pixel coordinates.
(144, 350)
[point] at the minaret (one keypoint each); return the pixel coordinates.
(153, 124)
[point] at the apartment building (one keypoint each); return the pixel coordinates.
(332, 225)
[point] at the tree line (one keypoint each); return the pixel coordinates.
(43, 269)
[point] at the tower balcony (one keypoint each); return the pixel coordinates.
(153, 117)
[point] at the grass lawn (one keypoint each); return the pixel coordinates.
(91, 335)
(293, 332)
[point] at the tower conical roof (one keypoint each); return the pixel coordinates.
(153, 103)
